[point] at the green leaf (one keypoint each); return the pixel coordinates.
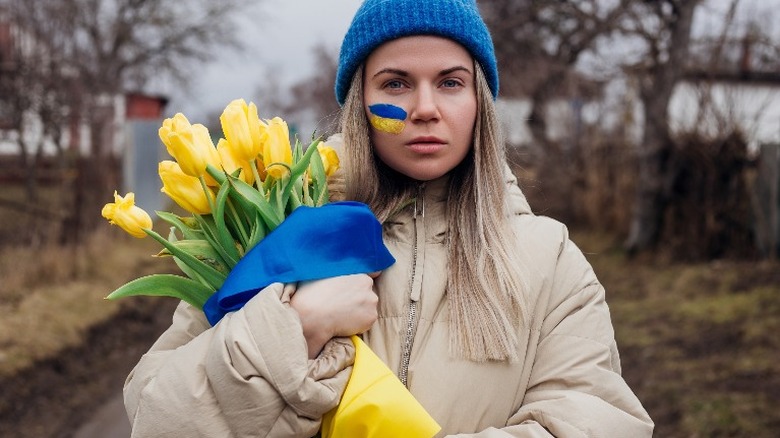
(300, 166)
(297, 170)
(209, 227)
(297, 151)
(189, 272)
(209, 274)
(306, 197)
(295, 196)
(275, 195)
(316, 168)
(226, 239)
(258, 233)
(257, 201)
(203, 251)
(319, 181)
(322, 196)
(186, 231)
(244, 207)
(184, 268)
(165, 285)
(218, 175)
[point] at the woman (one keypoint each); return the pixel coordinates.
(490, 316)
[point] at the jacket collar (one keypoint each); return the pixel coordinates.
(436, 191)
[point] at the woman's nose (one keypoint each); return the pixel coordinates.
(425, 106)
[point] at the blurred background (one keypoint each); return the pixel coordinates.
(650, 127)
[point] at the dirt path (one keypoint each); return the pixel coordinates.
(58, 396)
(110, 421)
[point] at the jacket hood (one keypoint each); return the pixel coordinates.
(517, 203)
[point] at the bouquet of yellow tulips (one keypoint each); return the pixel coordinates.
(249, 197)
(237, 192)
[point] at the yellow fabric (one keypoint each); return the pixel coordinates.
(376, 404)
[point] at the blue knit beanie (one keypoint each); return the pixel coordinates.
(379, 21)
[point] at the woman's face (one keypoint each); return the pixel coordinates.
(432, 80)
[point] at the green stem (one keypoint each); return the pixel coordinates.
(239, 223)
(207, 191)
(211, 275)
(256, 174)
(218, 175)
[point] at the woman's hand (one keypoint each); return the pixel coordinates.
(338, 306)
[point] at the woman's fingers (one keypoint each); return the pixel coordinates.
(336, 306)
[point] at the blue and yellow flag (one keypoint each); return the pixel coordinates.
(376, 404)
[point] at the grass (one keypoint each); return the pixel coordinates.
(698, 342)
(21, 222)
(52, 295)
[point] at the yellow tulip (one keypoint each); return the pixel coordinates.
(184, 189)
(193, 150)
(203, 141)
(177, 123)
(243, 129)
(276, 148)
(124, 213)
(330, 159)
(190, 145)
(231, 163)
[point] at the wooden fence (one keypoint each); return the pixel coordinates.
(767, 201)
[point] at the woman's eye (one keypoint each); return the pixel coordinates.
(450, 83)
(394, 84)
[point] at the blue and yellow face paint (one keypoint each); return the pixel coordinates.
(387, 118)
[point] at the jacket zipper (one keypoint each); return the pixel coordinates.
(403, 373)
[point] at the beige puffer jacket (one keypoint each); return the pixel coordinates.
(249, 376)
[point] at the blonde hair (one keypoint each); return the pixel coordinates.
(487, 294)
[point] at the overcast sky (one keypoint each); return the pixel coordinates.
(280, 35)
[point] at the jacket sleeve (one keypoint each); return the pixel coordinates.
(575, 388)
(248, 376)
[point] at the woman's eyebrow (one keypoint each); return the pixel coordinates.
(392, 71)
(454, 69)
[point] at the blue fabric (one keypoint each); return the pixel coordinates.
(339, 238)
(379, 21)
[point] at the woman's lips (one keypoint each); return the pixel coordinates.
(426, 145)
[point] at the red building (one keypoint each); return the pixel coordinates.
(144, 107)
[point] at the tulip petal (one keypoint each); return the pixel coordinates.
(277, 152)
(256, 130)
(236, 125)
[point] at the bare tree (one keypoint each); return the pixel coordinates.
(88, 52)
(664, 26)
(34, 85)
(122, 44)
(539, 43)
